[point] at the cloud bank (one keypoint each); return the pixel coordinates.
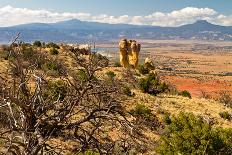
(13, 16)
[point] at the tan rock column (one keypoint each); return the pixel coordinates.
(129, 52)
(134, 57)
(123, 52)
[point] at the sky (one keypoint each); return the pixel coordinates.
(138, 12)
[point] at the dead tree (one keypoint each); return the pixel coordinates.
(82, 108)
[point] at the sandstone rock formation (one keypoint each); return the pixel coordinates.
(123, 48)
(129, 53)
(134, 57)
(149, 62)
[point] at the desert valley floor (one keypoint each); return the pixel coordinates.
(201, 67)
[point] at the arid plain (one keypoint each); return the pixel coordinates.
(204, 68)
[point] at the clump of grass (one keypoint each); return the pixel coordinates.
(52, 45)
(110, 75)
(152, 85)
(143, 69)
(117, 64)
(28, 53)
(225, 115)
(89, 152)
(185, 93)
(127, 91)
(56, 89)
(37, 43)
(167, 120)
(54, 51)
(82, 75)
(225, 99)
(144, 116)
(51, 65)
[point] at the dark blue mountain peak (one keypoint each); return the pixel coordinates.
(202, 22)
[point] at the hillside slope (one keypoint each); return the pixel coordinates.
(84, 103)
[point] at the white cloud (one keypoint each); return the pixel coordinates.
(13, 16)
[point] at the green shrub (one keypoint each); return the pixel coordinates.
(4, 55)
(143, 69)
(163, 86)
(167, 120)
(51, 65)
(150, 66)
(56, 90)
(127, 91)
(37, 43)
(110, 74)
(141, 110)
(89, 152)
(54, 67)
(54, 51)
(185, 93)
(188, 134)
(52, 45)
(82, 75)
(5, 52)
(225, 115)
(145, 116)
(146, 83)
(117, 64)
(152, 85)
(225, 99)
(41, 61)
(28, 53)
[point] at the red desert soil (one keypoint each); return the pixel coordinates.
(196, 87)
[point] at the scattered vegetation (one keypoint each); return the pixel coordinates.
(38, 108)
(42, 100)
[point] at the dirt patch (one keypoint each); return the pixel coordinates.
(197, 86)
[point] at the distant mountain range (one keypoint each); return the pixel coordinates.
(82, 31)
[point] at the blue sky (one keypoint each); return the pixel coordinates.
(146, 12)
(120, 7)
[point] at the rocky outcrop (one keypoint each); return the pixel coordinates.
(123, 52)
(134, 57)
(149, 62)
(129, 53)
